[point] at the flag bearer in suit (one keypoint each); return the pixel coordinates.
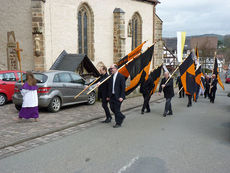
(168, 93)
(213, 88)
(116, 94)
(103, 90)
(145, 89)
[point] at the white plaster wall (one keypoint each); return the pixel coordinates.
(15, 15)
(61, 26)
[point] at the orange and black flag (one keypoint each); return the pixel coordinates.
(156, 74)
(187, 72)
(197, 81)
(138, 69)
(216, 72)
(127, 58)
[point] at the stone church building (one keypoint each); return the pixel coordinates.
(105, 30)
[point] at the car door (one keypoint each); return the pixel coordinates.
(7, 84)
(78, 84)
(65, 86)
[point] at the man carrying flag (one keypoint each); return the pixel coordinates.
(168, 93)
(145, 89)
(187, 72)
(213, 88)
(149, 87)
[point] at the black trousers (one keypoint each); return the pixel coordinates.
(206, 93)
(212, 95)
(115, 106)
(168, 106)
(106, 109)
(181, 93)
(190, 100)
(146, 97)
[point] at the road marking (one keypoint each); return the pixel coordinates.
(124, 168)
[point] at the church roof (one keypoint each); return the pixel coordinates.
(70, 62)
(150, 1)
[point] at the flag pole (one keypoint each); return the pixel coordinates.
(19, 59)
(86, 88)
(119, 69)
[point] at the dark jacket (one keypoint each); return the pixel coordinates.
(168, 89)
(147, 86)
(214, 84)
(119, 86)
(103, 89)
(207, 83)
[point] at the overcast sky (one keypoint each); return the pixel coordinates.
(194, 16)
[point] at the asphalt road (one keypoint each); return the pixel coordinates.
(193, 140)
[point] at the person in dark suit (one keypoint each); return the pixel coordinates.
(116, 94)
(103, 90)
(179, 83)
(168, 93)
(213, 88)
(207, 86)
(146, 88)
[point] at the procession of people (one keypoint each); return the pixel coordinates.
(112, 89)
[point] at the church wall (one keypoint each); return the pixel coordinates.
(61, 27)
(16, 16)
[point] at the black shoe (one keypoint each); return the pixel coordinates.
(189, 105)
(142, 112)
(170, 113)
(116, 126)
(148, 111)
(108, 120)
(122, 119)
(164, 114)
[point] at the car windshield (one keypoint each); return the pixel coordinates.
(41, 78)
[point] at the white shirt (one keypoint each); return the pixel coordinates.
(114, 80)
(30, 98)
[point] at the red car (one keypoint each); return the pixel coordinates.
(8, 78)
(227, 79)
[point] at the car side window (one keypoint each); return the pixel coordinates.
(19, 75)
(77, 79)
(64, 77)
(56, 78)
(1, 76)
(9, 77)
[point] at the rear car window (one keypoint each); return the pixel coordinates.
(41, 78)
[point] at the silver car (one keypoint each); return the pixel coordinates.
(57, 89)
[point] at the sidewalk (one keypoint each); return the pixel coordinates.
(13, 132)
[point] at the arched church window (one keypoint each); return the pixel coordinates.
(136, 30)
(86, 31)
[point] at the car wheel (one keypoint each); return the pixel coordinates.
(91, 98)
(55, 104)
(18, 107)
(2, 99)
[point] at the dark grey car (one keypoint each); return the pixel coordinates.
(57, 89)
